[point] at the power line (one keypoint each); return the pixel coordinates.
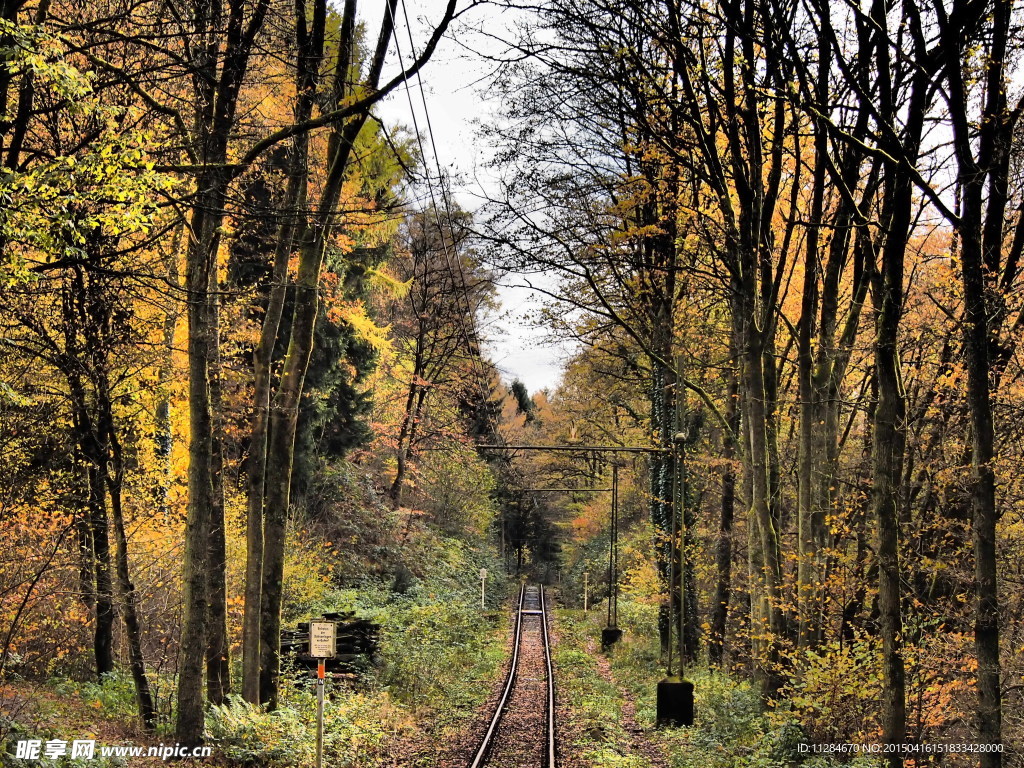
(467, 320)
(583, 448)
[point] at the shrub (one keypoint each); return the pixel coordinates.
(836, 695)
(114, 696)
(638, 619)
(246, 734)
(435, 652)
(727, 711)
(359, 729)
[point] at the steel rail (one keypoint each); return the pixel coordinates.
(480, 757)
(492, 728)
(551, 683)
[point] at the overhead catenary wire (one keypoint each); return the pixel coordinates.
(467, 320)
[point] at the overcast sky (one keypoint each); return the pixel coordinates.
(456, 101)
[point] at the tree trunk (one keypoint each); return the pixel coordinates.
(218, 662)
(723, 553)
(982, 229)
(408, 423)
(163, 436)
(284, 419)
(102, 598)
(281, 445)
(256, 463)
(103, 636)
(767, 563)
(889, 431)
(889, 438)
(129, 597)
(808, 536)
(983, 496)
(889, 426)
(220, 61)
(195, 609)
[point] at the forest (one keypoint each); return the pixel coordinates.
(251, 386)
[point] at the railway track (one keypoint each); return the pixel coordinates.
(521, 733)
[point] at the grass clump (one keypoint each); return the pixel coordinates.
(731, 728)
(594, 703)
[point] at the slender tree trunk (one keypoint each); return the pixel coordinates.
(767, 564)
(222, 44)
(723, 553)
(889, 432)
(408, 422)
(95, 518)
(982, 229)
(889, 440)
(86, 557)
(163, 436)
(809, 539)
(308, 66)
(129, 596)
(281, 452)
(312, 245)
(977, 334)
(195, 586)
(983, 496)
(889, 425)
(218, 662)
(94, 318)
(256, 463)
(284, 419)
(278, 483)
(96, 507)
(103, 636)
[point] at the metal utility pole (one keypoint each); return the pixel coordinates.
(610, 634)
(675, 693)
(674, 696)
(613, 553)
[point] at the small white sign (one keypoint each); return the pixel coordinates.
(483, 573)
(323, 637)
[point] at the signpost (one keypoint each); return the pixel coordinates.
(483, 580)
(323, 645)
(323, 637)
(586, 590)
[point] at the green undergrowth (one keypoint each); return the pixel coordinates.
(594, 704)
(438, 655)
(64, 709)
(14, 732)
(730, 731)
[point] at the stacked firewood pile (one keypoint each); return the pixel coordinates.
(356, 648)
